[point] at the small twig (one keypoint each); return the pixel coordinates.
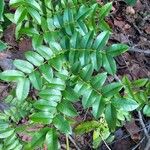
(147, 145)
(105, 143)
(84, 118)
(126, 136)
(134, 148)
(143, 125)
(117, 78)
(133, 49)
(72, 140)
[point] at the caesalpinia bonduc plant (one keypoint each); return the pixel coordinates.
(70, 61)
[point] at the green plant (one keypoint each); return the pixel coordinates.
(70, 61)
(131, 2)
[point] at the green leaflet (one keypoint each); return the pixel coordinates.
(10, 139)
(44, 105)
(23, 88)
(62, 124)
(110, 115)
(11, 75)
(37, 139)
(86, 72)
(45, 51)
(125, 104)
(98, 80)
(56, 83)
(2, 4)
(140, 82)
(101, 40)
(74, 40)
(3, 125)
(111, 89)
(42, 117)
(109, 64)
(146, 110)
(70, 95)
(89, 98)
(98, 107)
(128, 86)
(47, 72)
(20, 14)
(3, 46)
(36, 80)
(104, 11)
(68, 16)
(50, 94)
(67, 109)
(87, 40)
(96, 60)
(6, 133)
(35, 15)
(116, 49)
(34, 58)
(14, 145)
(83, 12)
(23, 66)
(51, 140)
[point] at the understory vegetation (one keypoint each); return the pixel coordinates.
(71, 61)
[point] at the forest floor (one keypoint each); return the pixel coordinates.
(130, 25)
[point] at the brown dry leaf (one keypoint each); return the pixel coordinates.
(25, 137)
(147, 29)
(6, 61)
(9, 35)
(127, 27)
(138, 6)
(25, 44)
(133, 130)
(119, 23)
(130, 10)
(120, 37)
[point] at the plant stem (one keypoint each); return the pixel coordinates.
(67, 143)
